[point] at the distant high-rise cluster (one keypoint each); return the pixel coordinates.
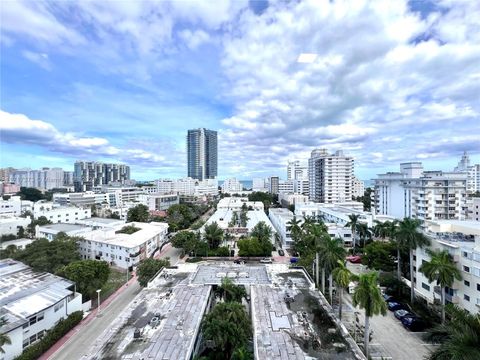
(45, 178)
(202, 154)
(88, 174)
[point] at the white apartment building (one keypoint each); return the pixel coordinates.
(473, 179)
(280, 219)
(156, 202)
(15, 206)
(20, 244)
(292, 199)
(188, 187)
(10, 224)
(32, 303)
(474, 208)
(296, 170)
(462, 241)
(60, 214)
(286, 186)
(87, 198)
(259, 184)
(124, 250)
(232, 186)
(236, 204)
(50, 231)
(274, 185)
(45, 178)
(358, 187)
(330, 176)
(426, 195)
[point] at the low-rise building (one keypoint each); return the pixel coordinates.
(20, 244)
(124, 250)
(287, 199)
(7, 188)
(51, 230)
(32, 303)
(157, 202)
(11, 224)
(188, 187)
(236, 203)
(15, 206)
(281, 219)
(60, 214)
(461, 239)
(337, 213)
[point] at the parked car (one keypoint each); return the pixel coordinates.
(388, 298)
(413, 323)
(281, 252)
(293, 260)
(354, 259)
(393, 306)
(400, 314)
(266, 261)
(239, 261)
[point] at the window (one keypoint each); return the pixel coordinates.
(33, 320)
(466, 297)
(40, 317)
(26, 325)
(33, 338)
(478, 287)
(26, 342)
(466, 282)
(58, 306)
(466, 268)
(425, 286)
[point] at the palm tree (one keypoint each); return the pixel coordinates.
(231, 292)
(364, 232)
(459, 338)
(4, 338)
(368, 296)
(441, 269)
(262, 232)
(294, 227)
(352, 224)
(380, 229)
(408, 235)
(213, 235)
(331, 250)
(342, 277)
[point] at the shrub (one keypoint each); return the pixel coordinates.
(62, 327)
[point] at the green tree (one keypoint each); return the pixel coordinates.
(364, 233)
(31, 194)
(331, 250)
(20, 232)
(228, 326)
(89, 275)
(49, 256)
(147, 269)
(379, 256)
(8, 252)
(231, 292)
(459, 338)
(293, 225)
(442, 270)
(4, 338)
(266, 198)
(138, 213)
(342, 277)
(262, 232)
(253, 247)
(41, 221)
(352, 224)
(368, 296)
(213, 235)
(410, 237)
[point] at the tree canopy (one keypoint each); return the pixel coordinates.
(138, 213)
(32, 194)
(147, 269)
(213, 235)
(379, 256)
(89, 275)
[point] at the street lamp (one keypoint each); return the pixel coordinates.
(98, 303)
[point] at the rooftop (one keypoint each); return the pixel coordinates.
(62, 227)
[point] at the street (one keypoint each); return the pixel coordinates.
(79, 340)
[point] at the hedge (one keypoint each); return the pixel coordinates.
(62, 327)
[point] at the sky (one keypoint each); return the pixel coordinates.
(123, 81)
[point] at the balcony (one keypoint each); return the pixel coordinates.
(454, 299)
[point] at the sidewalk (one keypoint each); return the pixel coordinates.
(59, 344)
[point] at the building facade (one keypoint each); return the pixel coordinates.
(15, 206)
(45, 178)
(330, 176)
(60, 214)
(32, 303)
(202, 154)
(232, 186)
(296, 170)
(88, 174)
(358, 187)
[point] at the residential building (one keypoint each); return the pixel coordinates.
(273, 185)
(286, 199)
(60, 214)
(187, 187)
(87, 198)
(237, 203)
(45, 178)
(32, 303)
(231, 186)
(88, 174)
(330, 176)
(10, 224)
(473, 179)
(302, 186)
(260, 184)
(280, 219)
(50, 231)
(463, 164)
(5, 173)
(157, 202)
(358, 187)
(7, 188)
(461, 239)
(68, 178)
(473, 208)
(296, 170)
(285, 186)
(124, 250)
(202, 154)
(15, 206)
(19, 244)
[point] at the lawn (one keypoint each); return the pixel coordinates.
(115, 281)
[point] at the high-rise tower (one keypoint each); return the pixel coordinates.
(202, 154)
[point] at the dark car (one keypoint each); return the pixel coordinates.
(239, 261)
(281, 252)
(388, 298)
(293, 260)
(400, 314)
(413, 323)
(393, 306)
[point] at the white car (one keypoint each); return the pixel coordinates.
(266, 261)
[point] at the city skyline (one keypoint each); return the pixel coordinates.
(398, 83)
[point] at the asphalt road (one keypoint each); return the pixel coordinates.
(84, 336)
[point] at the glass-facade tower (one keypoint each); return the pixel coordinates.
(202, 154)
